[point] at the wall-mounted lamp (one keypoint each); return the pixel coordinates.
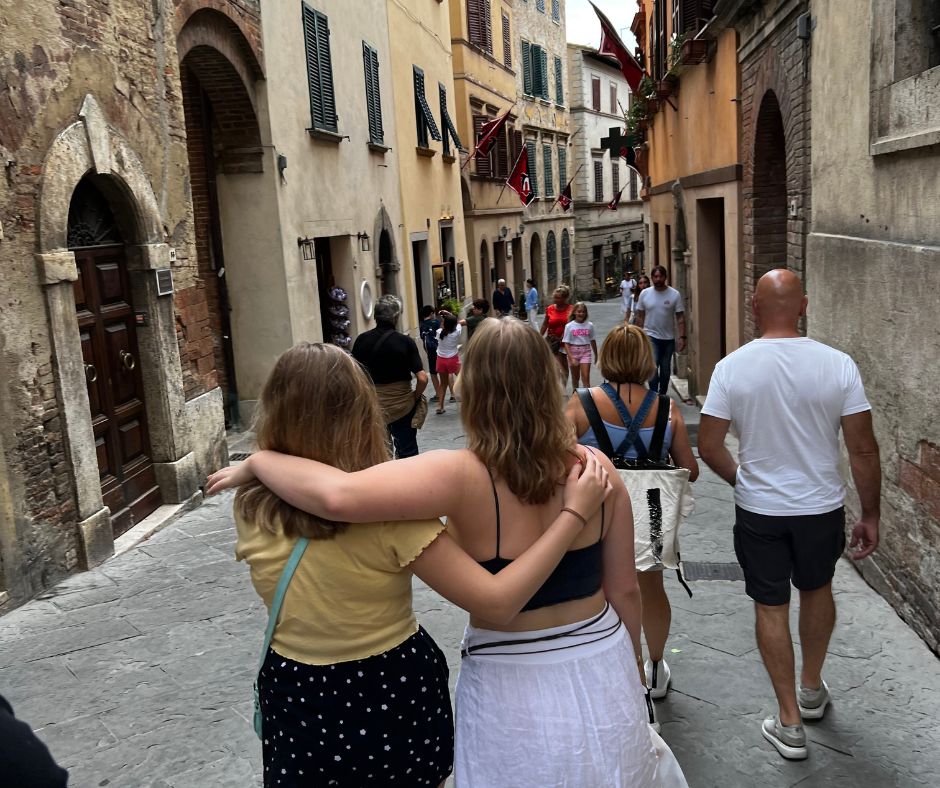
(363, 241)
(281, 164)
(306, 248)
(521, 228)
(503, 231)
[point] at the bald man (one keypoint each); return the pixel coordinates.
(788, 397)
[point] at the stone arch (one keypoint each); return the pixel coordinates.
(248, 29)
(387, 264)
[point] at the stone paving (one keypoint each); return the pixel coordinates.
(139, 672)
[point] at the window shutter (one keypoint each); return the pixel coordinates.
(615, 175)
(595, 94)
(507, 43)
(532, 164)
(543, 73)
(562, 167)
(482, 162)
(598, 181)
(613, 98)
(448, 130)
(475, 23)
(556, 10)
(559, 86)
(547, 167)
(425, 120)
(487, 25)
(540, 5)
(502, 155)
(516, 146)
(319, 69)
(527, 68)
(693, 14)
(370, 65)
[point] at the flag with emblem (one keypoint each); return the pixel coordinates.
(518, 179)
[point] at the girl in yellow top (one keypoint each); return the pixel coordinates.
(353, 691)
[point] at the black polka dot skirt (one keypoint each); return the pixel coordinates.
(385, 720)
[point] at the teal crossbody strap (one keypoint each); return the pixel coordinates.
(296, 554)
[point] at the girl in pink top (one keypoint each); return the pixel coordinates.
(579, 343)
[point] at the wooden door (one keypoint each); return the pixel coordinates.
(115, 388)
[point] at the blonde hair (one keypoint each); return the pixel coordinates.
(563, 290)
(317, 403)
(513, 409)
(576, 307)
(627, 356)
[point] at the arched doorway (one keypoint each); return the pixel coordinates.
(486, 273)
(107, 323)
(769, 190)
(535, 260)
(566, 259)
(551, 261)
(386, 264)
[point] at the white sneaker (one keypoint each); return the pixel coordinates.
(813, 702)
(790, 740)
(658, 677)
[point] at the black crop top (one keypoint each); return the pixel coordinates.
(577, 576)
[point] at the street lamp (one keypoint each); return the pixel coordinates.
(306, 248)
(363, 241)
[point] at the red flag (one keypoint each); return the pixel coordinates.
(518, 179)
(564, 199)
(616, 201)
(489, 132)
(612, 45)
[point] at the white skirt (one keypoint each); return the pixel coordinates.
(567, 711)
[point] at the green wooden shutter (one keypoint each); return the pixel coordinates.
(532, 165)
(507, 43)
(483, 163)
(527, 68)
(326, 72)
(370, 64)
(562, 167)
(426, 124)
(543, 73)
(536, 59)
(547, 167)
(319, 69)
(559, 87)
(556, 10)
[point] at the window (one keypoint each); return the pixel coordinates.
(613, 98)
(559, 87)
(598, 180)
(634, 190)
(319, 70)
(596, 93)
(502, 154)
(658, 44)
(480, 24)
(447, 125)
(370, 66)
(551, 260)
(423, 117)
(691, 15)
(615, 175)
(507, 43)
(556, 10)
(534, 70)
(547, 167)
(565, 257)
(540, 5)
(562, 167)
(526, 68)
(531, 162)
(485, 165)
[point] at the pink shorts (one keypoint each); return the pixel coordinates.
(450, 365)
(577, 354)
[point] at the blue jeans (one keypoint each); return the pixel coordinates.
(662, 355)
(404, 436)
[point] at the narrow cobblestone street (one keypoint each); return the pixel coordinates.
(139, 672)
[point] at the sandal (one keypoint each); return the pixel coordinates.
(439, 411)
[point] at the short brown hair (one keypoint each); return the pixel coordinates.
(627, 356)
(317, 403)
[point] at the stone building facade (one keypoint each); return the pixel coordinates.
(604, 239)
(109, 398)
(873, 265)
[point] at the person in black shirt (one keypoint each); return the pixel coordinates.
(502, 299)
(391, 358)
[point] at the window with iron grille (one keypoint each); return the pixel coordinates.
(551, 260)
(547, 168)
(485, 165)
(596, 94)
(615, 175)
(559, 85)
(532, 165)
(598, 180)
(319, 70)
(507, 43)
(556, 10)
(540, 5)
(562, 166)
(370, 67)
(423, 117)
(480, 24)
(613, 98)
(565, 257)
(448, 130)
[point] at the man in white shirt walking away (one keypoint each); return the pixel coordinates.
(627, 285)
(787, 397)
(658, 310)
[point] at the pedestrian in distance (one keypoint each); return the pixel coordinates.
(557, 315)
(448, 358)
(391, 359)
(427, 330)
(503, 301)
(352, 691)
(642, 283)
(626, 363)
(580, 345)
(479, 310)
(548, 671)
(627, 286)
(787, 397)
(532, 303)
(658, 310)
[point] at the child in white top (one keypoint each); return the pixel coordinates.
(579, 342)
(448, 360)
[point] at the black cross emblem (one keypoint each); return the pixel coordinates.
(619, 145)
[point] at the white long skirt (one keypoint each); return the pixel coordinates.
(572, 714)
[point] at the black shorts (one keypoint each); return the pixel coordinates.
(432, 361)
(775, 551)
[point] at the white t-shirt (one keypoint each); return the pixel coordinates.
(785, 399)
(661, 309)
(626, 288)
(447, 346)
(578, 333)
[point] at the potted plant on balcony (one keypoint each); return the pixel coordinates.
(669, 84)
(694, 51)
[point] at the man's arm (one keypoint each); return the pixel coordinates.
(421, 384)
(680, 321)
(712, 449)
(865, 461)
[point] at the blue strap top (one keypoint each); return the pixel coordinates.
(577, 576)
(617, 433)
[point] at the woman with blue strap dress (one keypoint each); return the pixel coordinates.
(629, 412)
(533, 699)
(351, 691)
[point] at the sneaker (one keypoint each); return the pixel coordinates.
(433, 399)
(651, 710)
(813, 702)
(790, 740)
(658, 676)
